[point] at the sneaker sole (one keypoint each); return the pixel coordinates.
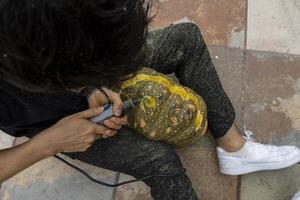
(245, 169)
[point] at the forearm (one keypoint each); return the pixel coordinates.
(16, 159)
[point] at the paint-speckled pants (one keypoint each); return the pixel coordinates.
(180, 49)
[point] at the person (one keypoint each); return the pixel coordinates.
(60, 63)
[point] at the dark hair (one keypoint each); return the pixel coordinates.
(53, 45)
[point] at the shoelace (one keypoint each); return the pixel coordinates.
(248, 135)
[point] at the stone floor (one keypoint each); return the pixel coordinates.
(255, 47)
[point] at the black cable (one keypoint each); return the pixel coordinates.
(113, 185)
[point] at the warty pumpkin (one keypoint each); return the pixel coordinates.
(168, 111)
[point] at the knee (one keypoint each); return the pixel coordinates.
(189, 31)
(188, 27)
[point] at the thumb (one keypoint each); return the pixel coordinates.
(116, 99)
(88, 113)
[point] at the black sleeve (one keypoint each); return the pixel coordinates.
(21, 111)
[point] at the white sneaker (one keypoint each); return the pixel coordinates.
(296, 196)
(254, 156)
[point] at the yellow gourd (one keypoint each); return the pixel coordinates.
(169, 112)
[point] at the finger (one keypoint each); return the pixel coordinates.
(120, 120)
(92, 101)
(88, 113)
(101, 98)
(112, 133)
(117, 101)
(109, 135)
(110, 124)
(102, 130)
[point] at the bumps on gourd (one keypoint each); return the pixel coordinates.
(169, 112)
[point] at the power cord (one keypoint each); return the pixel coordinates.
(114, 185)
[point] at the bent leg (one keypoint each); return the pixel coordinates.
(132, 154)
(181, 49)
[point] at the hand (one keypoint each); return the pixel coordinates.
(98, 98)
(74, 133)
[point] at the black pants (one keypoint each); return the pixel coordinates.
(180, 49)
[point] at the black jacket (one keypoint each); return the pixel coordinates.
(26, 114)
